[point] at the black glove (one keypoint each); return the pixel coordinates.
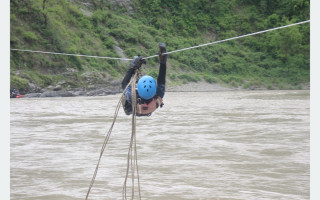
(137, 62)
(162, 57)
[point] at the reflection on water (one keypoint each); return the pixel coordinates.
(219, 145)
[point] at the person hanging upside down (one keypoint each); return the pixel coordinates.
(150, 92)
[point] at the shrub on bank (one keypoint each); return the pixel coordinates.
(43, 80)
(189, 78)
(18, 83)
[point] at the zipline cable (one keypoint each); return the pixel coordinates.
(68, 54)
(210, 43)
(233, 38)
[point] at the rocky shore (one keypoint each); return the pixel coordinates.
(92, 91)
(115, 88)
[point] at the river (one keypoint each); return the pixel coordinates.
(208, 145)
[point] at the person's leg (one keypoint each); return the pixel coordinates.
(128, 101)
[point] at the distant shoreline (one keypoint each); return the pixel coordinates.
(188, 87)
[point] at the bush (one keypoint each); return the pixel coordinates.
(153, 72)
(172, 77)
(232, 79)
(189, 77)
(217, 67)
(269, 86)
(19, 83)
(75, 62)
(100, 16)
(209, 78)
(42, 80)
(29, 36)
(131, 52)
(125, 34)
(108, 43)
(199, 63)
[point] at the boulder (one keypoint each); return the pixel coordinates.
(56, 94)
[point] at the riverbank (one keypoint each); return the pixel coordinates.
(200, 86)
(115, 88)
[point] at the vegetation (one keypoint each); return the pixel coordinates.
(278, 59)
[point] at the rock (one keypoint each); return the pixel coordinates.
(33, 88)
(56, 94)
(79, 93)
(32, 95)
(70, 70)
(62, 82)
(116, 83)
(98, 85)
(58, 87)
(86, 12)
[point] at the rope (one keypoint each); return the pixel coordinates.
(193, 47)
(133, 139)
(68, 54)
(132, 153)
(233, 38)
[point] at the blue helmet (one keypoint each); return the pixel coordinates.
(147, 87)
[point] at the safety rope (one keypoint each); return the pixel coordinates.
(193, 47)
(132, 159)
(132, 153)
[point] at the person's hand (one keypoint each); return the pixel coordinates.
(137, 61)
(162, 56)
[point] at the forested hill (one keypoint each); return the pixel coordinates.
(275, 60)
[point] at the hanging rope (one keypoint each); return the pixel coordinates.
(193, 47)
(132, 153)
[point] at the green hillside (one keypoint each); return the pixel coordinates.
(275, 60)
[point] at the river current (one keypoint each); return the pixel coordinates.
(221, 145)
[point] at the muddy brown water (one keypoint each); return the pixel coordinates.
(206, 145)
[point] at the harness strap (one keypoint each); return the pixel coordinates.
(159, 102)
(139, 108)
